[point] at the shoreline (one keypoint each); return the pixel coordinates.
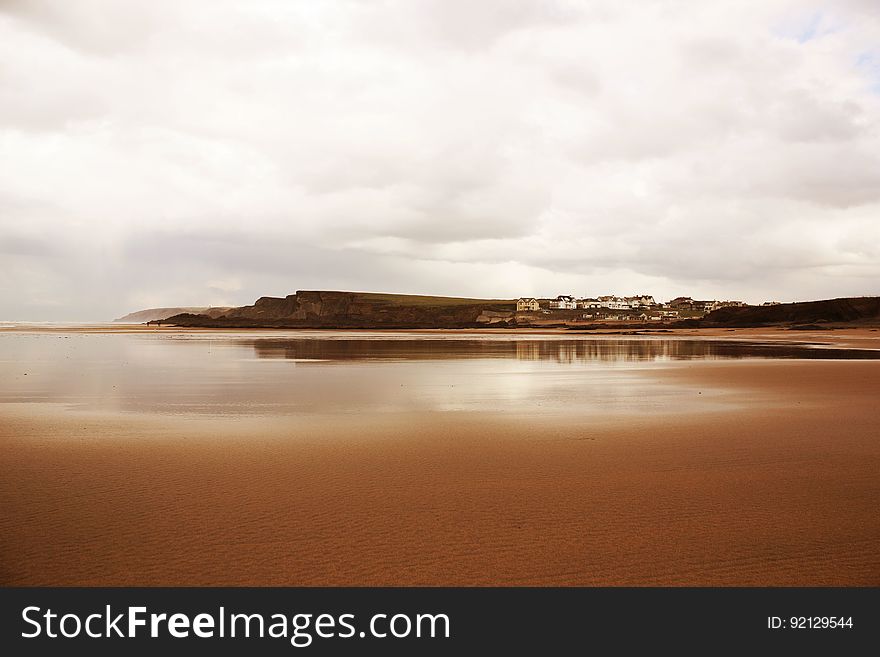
(844, 337)
(779, 490)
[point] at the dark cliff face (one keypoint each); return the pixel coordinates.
(153, 314)
(325, 309)
(266, 308)
(320, 309)
(850, 310)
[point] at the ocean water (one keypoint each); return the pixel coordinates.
(338, 372)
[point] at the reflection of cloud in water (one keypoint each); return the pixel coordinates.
(334, 373)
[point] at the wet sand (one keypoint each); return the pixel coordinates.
(780, 489)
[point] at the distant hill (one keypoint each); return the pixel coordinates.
(331, 309)
(154, 314)
(334, 309)
(850, 311)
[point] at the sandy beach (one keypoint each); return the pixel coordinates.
(780, 488)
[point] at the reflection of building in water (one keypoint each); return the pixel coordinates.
(528, 350)
(571, 351)
(592, 350)
(586, 349)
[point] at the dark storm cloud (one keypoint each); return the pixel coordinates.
(165, 153)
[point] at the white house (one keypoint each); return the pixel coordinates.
(527, 305)
(614, 303)
(563, 302)
(618, 304)
(641, 300)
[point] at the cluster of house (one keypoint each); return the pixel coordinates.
(702, 306)
(626, 306)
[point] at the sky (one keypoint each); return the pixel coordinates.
(172, 153)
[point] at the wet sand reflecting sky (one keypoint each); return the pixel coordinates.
(134, 457)
(344, 372)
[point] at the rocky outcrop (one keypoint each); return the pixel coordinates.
(153, 314)
(851, 311)
(328, 309)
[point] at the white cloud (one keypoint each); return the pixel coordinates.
(208, 150)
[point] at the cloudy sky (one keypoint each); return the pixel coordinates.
(162, 153)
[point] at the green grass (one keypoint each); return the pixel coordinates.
(423, 300)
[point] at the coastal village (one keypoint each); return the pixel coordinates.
(342, 309)
(640, 308)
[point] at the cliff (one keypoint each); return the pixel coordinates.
(329, 309)
(326, 309)
(849, 311)
(153, 314)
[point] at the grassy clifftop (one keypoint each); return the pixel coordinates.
(851, 310)
(332, 309)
